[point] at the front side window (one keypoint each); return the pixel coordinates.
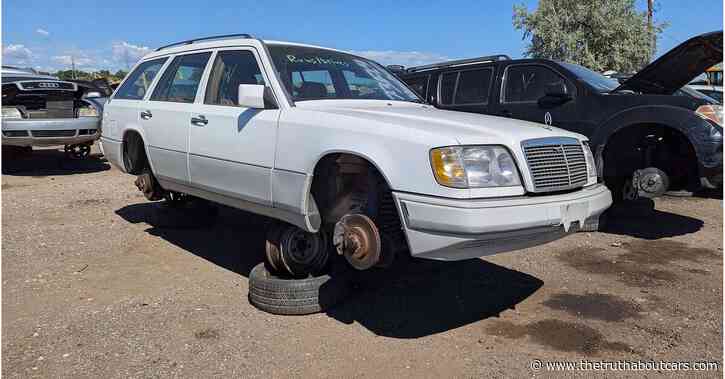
(528, 83)
(313, 74)
(138, 82)
(230, 69)
(181, 79)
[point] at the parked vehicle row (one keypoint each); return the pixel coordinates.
(644, 140)
(40, 110)
(345, 157)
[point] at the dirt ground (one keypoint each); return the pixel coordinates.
(98, 282)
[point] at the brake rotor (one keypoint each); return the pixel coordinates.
(653, 182)
(357, 238)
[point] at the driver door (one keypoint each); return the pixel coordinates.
(523, 85)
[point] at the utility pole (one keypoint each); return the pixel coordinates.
(650, 26)
(73, 67)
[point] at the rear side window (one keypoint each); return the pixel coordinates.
(448, 85)
(181, 79)
(138, 82)
(231, 68)
(419, 85)
(466, 87)
(528, 83)
(473, 87)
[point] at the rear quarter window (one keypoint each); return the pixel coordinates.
(419, 85)
(138, 82)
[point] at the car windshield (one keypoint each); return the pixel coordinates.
(315, 74)
(600, 82)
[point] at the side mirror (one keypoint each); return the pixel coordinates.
(557, 89)
(255, 96)
(555, 94)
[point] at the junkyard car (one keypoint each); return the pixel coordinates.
(338, 149)
(645, 140)
(40, 110)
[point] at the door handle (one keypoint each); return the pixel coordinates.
(506, 113)
(199, 120)
(146, 115)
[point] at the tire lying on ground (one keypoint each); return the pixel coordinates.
(295, 296)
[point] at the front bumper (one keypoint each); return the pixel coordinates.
(452, 229)
(47, 126)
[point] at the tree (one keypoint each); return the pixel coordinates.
(120, 74)
(601, 35)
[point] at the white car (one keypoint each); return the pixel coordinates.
(40, 110)
(337, 148)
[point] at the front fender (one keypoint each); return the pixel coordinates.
(704, 136)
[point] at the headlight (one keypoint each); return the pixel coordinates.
(474, 167)
(88, 111)
(591, 166)
(711, 112)
(11, 113)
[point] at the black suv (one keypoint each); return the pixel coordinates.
(645, 139)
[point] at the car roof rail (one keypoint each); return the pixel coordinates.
(189, 42)
(460, 62)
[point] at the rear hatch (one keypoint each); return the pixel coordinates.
(42, 99)
(678, 66)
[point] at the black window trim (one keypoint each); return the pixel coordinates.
(146, 95)
(502, 99)
(455, 87)
(173, 57)
(212, 59)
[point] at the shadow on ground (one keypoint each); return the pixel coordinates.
(640, 219)
(412, 299)
(50, 162)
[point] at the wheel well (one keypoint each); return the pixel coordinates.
(650, 145)
(134, 153)
(343, 181)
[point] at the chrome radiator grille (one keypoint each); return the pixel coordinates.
(555, 163)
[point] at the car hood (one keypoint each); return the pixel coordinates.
(678, 66)
(435, 125)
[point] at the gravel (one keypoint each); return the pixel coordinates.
(98, 282)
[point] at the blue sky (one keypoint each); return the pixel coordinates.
(45, 34)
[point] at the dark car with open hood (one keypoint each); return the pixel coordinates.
(646, 141)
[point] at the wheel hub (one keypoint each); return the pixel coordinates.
(78, 151)
(294, 251)
(357, 238)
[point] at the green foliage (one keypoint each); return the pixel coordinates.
(84, 75)
(601, 35)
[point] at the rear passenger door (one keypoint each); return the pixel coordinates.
(122, 111)
(166, 115)
(465, 90)
(232, 151)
